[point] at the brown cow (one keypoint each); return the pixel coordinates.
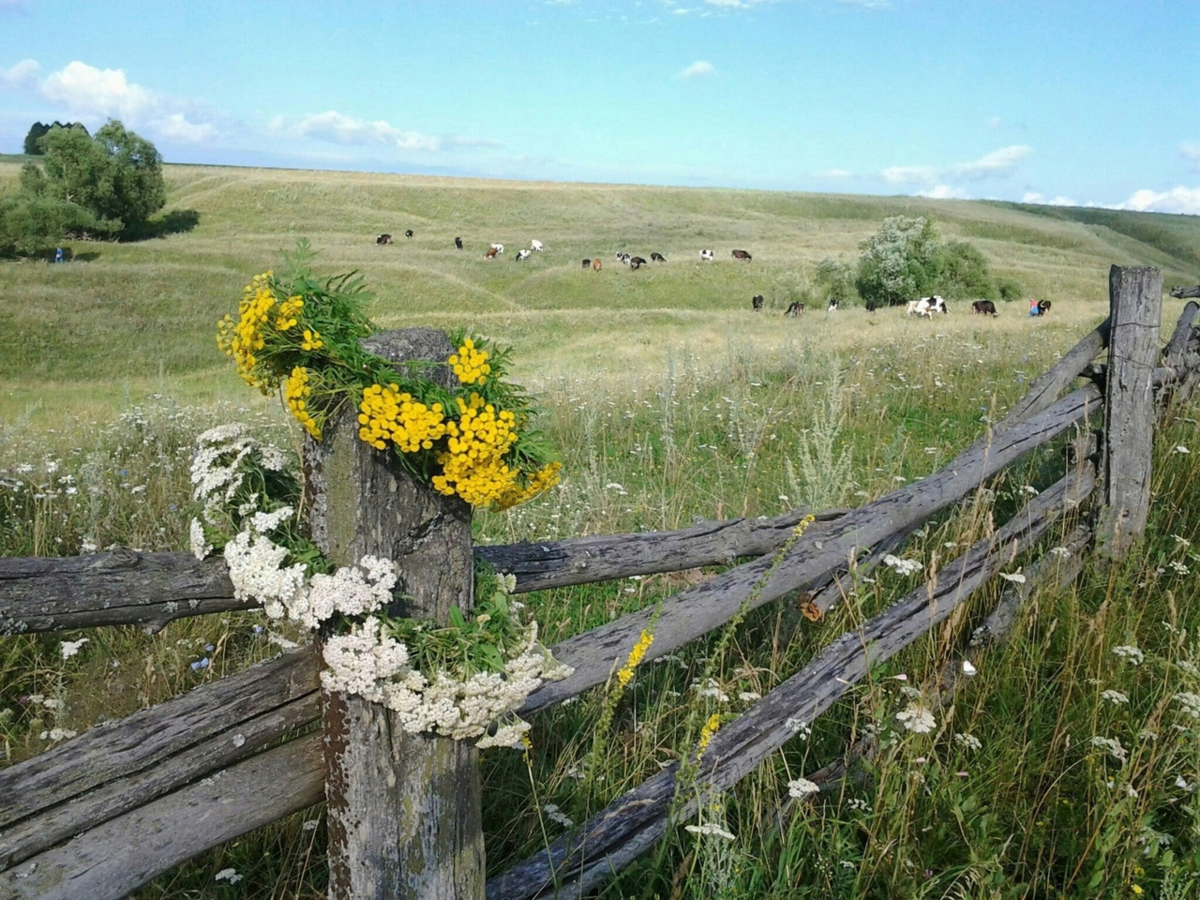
(491, 253)
(595, 265)
(741, 254)
(795, 309)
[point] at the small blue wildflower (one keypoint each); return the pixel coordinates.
(200, 664)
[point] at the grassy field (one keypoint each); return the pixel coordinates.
(667, 399)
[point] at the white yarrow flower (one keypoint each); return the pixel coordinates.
(917, 719)
(1130, 654)
(1015, 577)
(710, 829)
(1115, 697)
(801, 788)
(902, 566)
(70, 648)
(230, 875)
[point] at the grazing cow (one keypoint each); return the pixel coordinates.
(926, 306)
(636, 262)
(872, 306)
(657, 257)
(408, 233)
(383, 239)
(491, 253)
(535, 245)
(741, 254)
(756, 302)
(624, 257)
(1181, 293)
(499, 248)
(595, 265)
(707, 255)
(522, 255)
(832, 307)
(587, 263)
(795, 309)
(458, 243)
(984, 308)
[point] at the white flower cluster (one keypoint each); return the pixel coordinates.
(1112, 746)
(368, 661)
(1190, 703)
(1130, 653)
(465, 709)
(801, 788)
(902, 566)
(917, 719)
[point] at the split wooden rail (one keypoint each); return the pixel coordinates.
(109, 810)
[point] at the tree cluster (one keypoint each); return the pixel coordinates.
(907, 259)
(37, 131)
(91, 186)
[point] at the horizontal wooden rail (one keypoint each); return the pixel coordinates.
(117, 857)
(629, 825)
(822, 550)
(127, 587)
(117, 766)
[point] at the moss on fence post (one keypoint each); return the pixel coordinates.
(403, 809)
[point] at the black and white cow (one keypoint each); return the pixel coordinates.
(927, 306)
(383, 239)
(408, 233)
(522, 255)
(707, 255)
(795, 309)
(756, 302)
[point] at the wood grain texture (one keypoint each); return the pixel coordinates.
(118, 766)
(1129, 414)
(403, 810)
(615, 836)
(117, 857)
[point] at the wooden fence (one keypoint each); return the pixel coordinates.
(101, 814)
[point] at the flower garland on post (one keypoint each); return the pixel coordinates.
(301, 337)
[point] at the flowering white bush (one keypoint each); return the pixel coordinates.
(482, 669)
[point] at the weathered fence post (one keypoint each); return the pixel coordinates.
(1135, 295)
(403, 809)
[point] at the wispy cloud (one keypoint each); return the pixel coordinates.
(944, 192)
(1191, 152)
(997, 164)
(93, 95)
(22, 75)
(698, 69)
(339, 128)
(1177, 200)
(867, 4)
(1040, 200)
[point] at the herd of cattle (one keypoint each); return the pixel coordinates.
(925, 307)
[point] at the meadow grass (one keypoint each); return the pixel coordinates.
(668, 401)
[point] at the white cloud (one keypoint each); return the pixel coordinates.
(728, 4)
(997, 164)
(176, 127)
(698, 69)
(1177, 200)
(93, 95)
(22, 75)
(339, 128)
(1040, 200)
(868, 4)
(836, 173)
(944, 192)
(103, 93)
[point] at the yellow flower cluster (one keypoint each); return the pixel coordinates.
(625, 674)
(706, 733)
(289, 309)
(242, 339)
(312, 340)
(386, 414)
(296, 389)
(470, 365)
(541, 480)
(473, 465)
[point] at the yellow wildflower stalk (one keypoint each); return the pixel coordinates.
(625, 675)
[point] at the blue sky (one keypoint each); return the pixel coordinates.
(1054, 101)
